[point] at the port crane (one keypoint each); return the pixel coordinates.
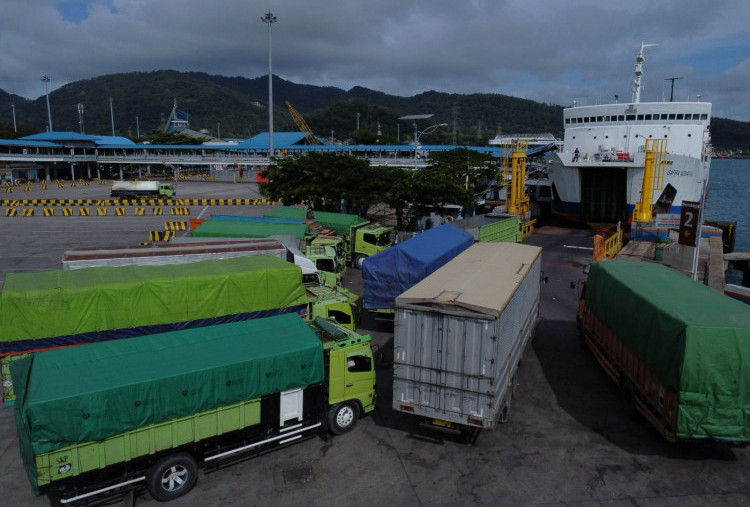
(302, 125)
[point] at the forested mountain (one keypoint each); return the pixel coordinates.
(237, 107)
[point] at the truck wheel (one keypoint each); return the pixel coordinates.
(342, 418)
(172, 476)
(359, 260)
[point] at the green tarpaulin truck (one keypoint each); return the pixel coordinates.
(678, 350)
(150, 410)
(361, 238)
(56, 308)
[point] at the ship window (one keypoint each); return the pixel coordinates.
(696, 116)
(621, 117)
(648, 116)
(671, 116)
(680, 116)
(630, 117)
(640, 117)
(704, 116)
(567, 120)
(600, 118)
(663, 116)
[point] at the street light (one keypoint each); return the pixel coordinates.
(46, 80)
(112, 116)
(417, 134)
(270, 19)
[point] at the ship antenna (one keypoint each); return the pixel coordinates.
(671, 93)
(639, 59)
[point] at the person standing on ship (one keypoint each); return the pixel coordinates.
(575, 155)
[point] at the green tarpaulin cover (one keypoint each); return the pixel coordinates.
(339, 222)
(87, 393)
(239, 229)
(694, 338)
(69, 302)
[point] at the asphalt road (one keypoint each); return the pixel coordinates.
(567, 442)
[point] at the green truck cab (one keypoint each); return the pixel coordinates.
(367, 240)
(327, 263)
(203, 397)
(339, 305)
(360, 238)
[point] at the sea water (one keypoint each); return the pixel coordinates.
(729, 197)
(729, 200)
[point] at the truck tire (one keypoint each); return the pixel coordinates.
(342, 418)
(359, 260)
(172, 477)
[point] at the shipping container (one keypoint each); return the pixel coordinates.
(460, 334)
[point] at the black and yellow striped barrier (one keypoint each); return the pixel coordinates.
(134, 202)
(67, 212)
(158, 211)
(28, 212)
(179, 211)
(120, 212)
(139, 211)
(84, 212)
(48, 212)
(175, 226)
(160, 235)
(10, 212)
(100, 212)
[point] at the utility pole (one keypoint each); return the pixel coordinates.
(80, 117)
(671, 93)
(46, 80)
(270, 19)
(13, 108)
(112, 116)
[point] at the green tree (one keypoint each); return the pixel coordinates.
(322, 180)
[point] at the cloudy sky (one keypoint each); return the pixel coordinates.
(554, 51)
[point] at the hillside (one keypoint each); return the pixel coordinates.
(236, 107)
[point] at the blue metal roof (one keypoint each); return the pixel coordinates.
(30, 144)
(75, 136)
(113, 140)
(58, 136)
(281, 141)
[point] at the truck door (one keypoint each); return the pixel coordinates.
(359, 376)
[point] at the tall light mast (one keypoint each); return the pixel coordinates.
(270, 19)
(639, 59)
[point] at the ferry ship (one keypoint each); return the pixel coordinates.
(597, 176)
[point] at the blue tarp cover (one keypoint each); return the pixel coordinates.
(396, 269)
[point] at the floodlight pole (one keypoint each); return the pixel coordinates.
(270, 19)
(112, 115)
(46, 80)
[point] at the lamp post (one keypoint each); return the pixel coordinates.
(428, 130)
(112, 116)
(46, 80)
(270, 19)
(13, 108)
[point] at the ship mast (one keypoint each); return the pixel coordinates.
(639, 59)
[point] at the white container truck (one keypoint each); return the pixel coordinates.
(459, 336)
(136, 189)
